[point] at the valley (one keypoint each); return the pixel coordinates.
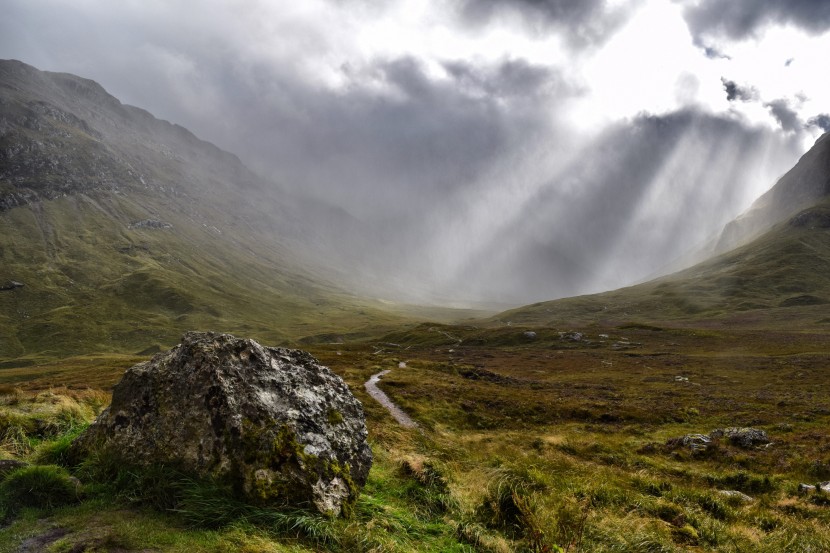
(598, 423)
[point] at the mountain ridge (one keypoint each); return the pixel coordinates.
(783, 262)
(127, 230)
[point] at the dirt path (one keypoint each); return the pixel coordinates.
(378, 394)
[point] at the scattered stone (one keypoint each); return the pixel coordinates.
(681, 378)
(695, 442)
(150, 224)
(273, 422)
(529, 334)
(820, 487)
(742, 437)
(625, 344)
(571, 336)
(736, 495)
(402, 365)
(11, 285)
(603, 336)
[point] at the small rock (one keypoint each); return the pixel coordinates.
(11, 285)
(737, 495)
(402, 365)
(742, 437)
(529, 334)
(820, 487)
(150, 224)
(681, 378)
(695, 442)
(571, 336)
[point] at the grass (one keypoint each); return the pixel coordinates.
(545, 444)
(780, 280)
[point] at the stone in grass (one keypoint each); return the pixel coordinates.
(280, 427)
(742, 437)
(736, 495)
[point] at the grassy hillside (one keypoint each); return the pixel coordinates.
(781, 278)
(93, 284)
(126, 230)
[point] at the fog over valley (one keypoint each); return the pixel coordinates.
(473, 152)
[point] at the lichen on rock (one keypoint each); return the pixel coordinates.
(258, 417)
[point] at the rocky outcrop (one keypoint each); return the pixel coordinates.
(280, 427)
(150, 224)
(742, 437)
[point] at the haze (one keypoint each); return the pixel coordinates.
(481, 151)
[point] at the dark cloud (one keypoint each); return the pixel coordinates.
(714, 54)
(453, 168)
(510, 79)
(582, 22)
(738, 19)
(785, 115)
(822, 121)
(737, 92)
(395, 140)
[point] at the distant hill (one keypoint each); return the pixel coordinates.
(779, 275)
(125, 230)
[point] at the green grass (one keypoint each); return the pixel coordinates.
(549, 444)
(780, 280)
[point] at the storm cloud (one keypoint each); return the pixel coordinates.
(786, 117)
(821, 121)
(736, 92)
(467, 156)
(739, 19)
(582, 22)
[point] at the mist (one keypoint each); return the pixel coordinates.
(477, 152)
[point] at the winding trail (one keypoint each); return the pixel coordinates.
(371, 386)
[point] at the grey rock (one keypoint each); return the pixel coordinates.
(529, 334)
(820, 487)
(280, 427)
(11, 285)
(695, 442)
(742, 437)
(736, 495)
(150, 224)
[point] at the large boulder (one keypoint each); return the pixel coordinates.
(280, 427)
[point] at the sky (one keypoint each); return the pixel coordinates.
(501, 151)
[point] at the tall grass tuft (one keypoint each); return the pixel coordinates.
(39, 486)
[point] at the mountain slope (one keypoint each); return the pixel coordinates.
(778, 277)
(126, 230)
(807, 183)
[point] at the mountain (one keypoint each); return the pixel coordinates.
(781, 274)
(801, 187)
(125, 230)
